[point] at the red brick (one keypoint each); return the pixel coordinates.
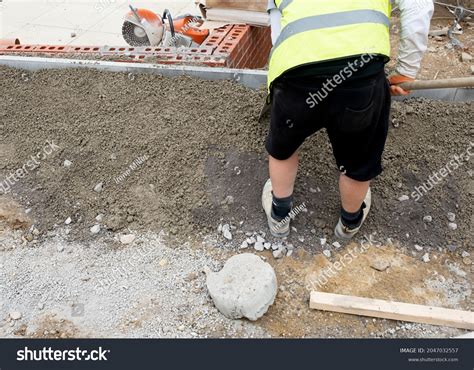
(216, 36)
(248, 47)
(17, 48)
(85, 49)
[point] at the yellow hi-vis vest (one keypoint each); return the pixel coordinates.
(322, 30)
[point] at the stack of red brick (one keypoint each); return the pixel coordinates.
(233, 46)
(242, 46)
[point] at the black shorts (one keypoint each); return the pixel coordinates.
(354, 113)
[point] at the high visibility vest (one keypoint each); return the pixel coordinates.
(323, 30)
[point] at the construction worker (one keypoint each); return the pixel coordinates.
(327, 70)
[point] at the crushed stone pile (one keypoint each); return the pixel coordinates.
(185, 154)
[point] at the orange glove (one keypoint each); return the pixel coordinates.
(398, 79)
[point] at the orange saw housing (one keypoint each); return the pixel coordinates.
(182, 25)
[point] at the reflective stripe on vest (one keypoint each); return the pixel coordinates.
(314, 32)
(331, 20)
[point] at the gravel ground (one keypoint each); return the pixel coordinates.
(65, 289)
(155, 287)
(119, 156)
(169, 152)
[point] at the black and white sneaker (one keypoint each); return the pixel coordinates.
(343, 232)
(279, 229)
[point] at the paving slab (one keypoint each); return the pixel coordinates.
(79, 22)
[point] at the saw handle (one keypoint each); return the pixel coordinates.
(167, 15)
(135, 13)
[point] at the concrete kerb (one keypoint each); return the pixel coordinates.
(250, 78)
(254, 79)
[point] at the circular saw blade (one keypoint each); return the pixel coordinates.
(131, 37)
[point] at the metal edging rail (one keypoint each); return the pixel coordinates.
(250, 78)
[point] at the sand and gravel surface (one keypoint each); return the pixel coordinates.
(109, 229)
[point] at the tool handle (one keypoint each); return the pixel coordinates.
(438, 84)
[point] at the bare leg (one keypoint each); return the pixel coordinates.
(283, 175)
(352, 193)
